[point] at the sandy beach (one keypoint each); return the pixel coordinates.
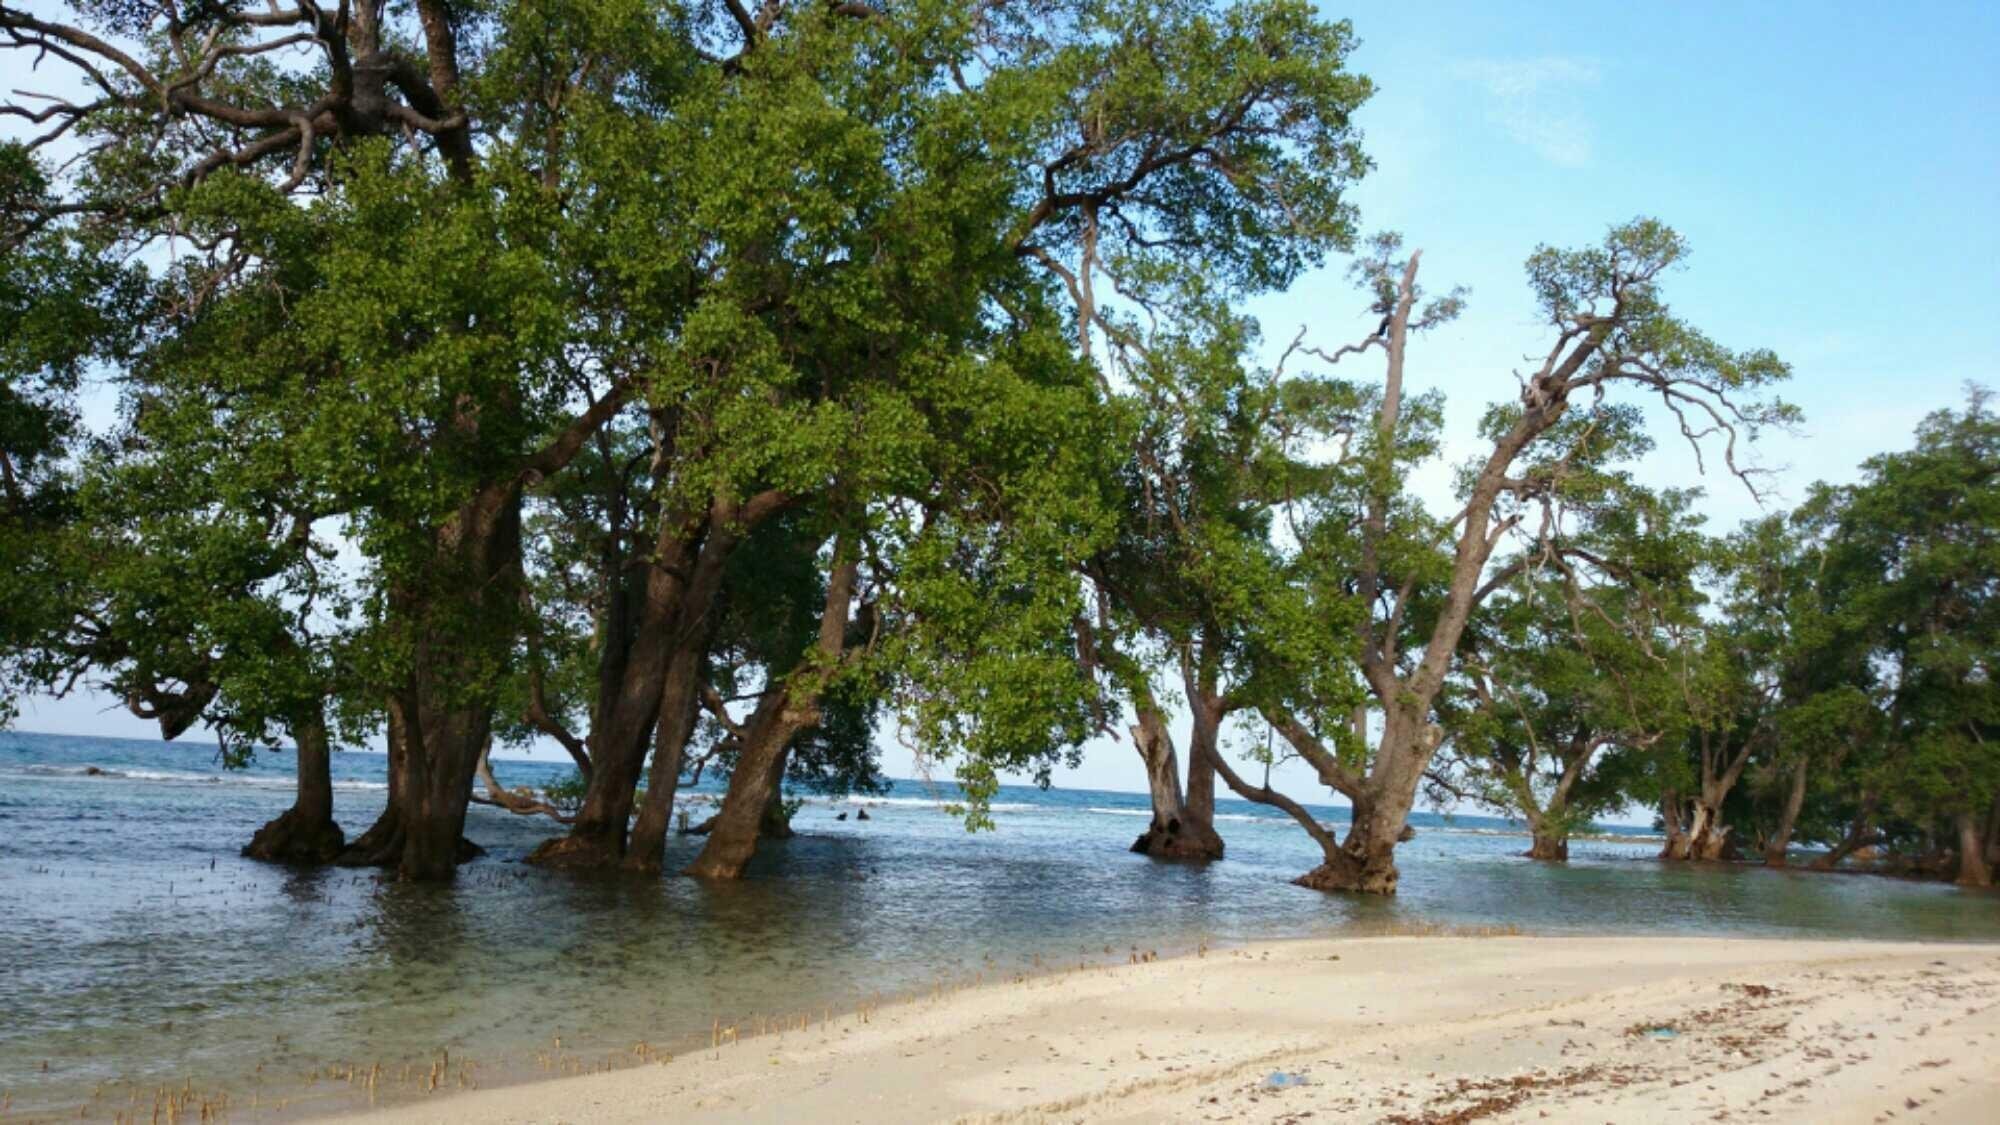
(1395, 1029)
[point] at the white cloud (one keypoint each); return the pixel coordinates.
(1535, 102)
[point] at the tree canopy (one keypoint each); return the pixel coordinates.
(721, 388)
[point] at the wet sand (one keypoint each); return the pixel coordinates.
(1396, 1029)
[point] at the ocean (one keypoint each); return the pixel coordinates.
(139, 953)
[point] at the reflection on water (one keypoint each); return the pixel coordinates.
(140, 950)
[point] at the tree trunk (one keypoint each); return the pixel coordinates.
(647, 852)
(1174, 832)
(436, 789)
(668, 640)
(459, 617)
(1859, 835)
(305, 833)
(1198, 823)
(789, 706)
(760, 768)
(1973, 869)
(1718, 845)
(382, 844)
(1549, 847)
(1545, 842)
(1780, 841)
(622, 715)
(1365, 861)
(1548, 822)
(630, 724)
(1670, 821)
(1993, 833)
(387, 842)
(1706, 839)
(597, 837)
(777, 823)
(466, 624)
(1155, 744)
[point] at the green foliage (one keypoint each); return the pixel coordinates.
(1237, 118)
(1914, 553)
(1851, 640)
(565, 793)
(66, 306)
(413, 404)
(1570, 675)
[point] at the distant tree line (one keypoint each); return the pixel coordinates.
(713, 388)
(1821, 678)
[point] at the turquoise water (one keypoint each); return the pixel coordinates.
(137, 949)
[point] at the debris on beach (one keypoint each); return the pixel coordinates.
(1285, 1080)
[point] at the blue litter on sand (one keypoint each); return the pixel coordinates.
(1280, 1080)
(1661, 1033)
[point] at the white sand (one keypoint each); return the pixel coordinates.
(1402, 1029)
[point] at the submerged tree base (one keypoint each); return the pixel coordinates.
(380, 846)
(776, 825)
(297, 838)
(1708, 847)
(1975, 868)
(1169, 841)
(1552, 848)
(577, 853)
(641, 862)
(1351, 877)
(706, 866)
(385, 843)
(732, 857)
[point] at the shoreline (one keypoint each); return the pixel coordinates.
(1394, 1028)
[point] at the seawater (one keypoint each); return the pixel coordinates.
(138, 950)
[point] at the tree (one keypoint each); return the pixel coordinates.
(771, 613)
(1568, 671)
(1194, 584)
(1193, 157)
(1918, 552)
(492, 232)
(418, 298)
(210, 598)
(60, 300)
(132, 573)
(1781, 594)
(950, 522)
(1131, 142)
(1407, 607)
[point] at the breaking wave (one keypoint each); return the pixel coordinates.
(181, 777)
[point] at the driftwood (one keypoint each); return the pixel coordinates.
(521, 802)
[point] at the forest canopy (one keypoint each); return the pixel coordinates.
(714, 389)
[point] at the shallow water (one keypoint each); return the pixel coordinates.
(138, 950)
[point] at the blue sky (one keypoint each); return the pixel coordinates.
(1836, 168)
